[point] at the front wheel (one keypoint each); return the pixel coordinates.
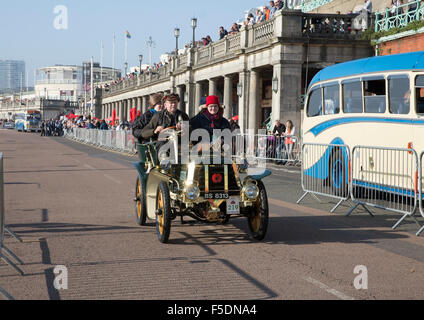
(140, 203)
(338, 175)
(259, 214)
(163, 212)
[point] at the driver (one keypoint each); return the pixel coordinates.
(170, 117)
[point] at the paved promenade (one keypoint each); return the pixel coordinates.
(72, 205)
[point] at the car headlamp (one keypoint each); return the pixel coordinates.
(251, 191)
(192, 192)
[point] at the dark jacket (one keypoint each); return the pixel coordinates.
(162, 119)
(139, 124)
(202, 121)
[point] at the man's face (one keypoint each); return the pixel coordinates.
(171, 106)
(277, 123)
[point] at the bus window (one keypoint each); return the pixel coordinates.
(331, 99)
(352, 97)
(375, 96)
(315, 103)
(419, 84)
(399, 93)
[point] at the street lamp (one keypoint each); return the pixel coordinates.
(176, 34)
(126, 67)
(140, 59)
(240, 89)
(275, 84)
(194, 25)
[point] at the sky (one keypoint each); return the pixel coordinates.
(33, 31)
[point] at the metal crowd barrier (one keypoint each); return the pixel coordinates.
(325, 171)
(421, 185)
(385, 178)
(3, 227)
(269, 148)
(122, 141)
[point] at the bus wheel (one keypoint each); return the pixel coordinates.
(338, 175)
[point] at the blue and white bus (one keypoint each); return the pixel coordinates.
(28, 121)
(377, 101)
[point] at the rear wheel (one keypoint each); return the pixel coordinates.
(140, 203)
(259, 214)
(338, 174)
(163, 212)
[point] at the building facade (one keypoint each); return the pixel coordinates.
(12, 75)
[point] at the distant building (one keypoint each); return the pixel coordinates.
(67, 83)
(12, 75)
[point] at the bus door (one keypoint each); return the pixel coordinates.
(419, 121)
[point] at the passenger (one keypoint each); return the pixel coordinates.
(289, 140)
(211, 117)
(170, 117)
(155, 102)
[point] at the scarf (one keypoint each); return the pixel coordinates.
(212, 117)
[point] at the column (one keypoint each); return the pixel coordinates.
(285, 102)
(212, 87)
(180, 92)
(121, 110)
(129, 101)
(139, 104)
(253, 101)
(192, 106)
(228, 97)
(243, 100)
(198, 97)
(145, 103)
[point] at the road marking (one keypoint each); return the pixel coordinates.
(112, 179)
(89, 167)
(334, 292)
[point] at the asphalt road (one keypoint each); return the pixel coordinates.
(72, 205)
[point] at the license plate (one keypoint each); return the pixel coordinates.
(216, 196)
(233, 205)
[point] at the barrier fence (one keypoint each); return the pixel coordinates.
(285, 151)
(324, 171)
(421, 185)
(3, 228)
(384, 178)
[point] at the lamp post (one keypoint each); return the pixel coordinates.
(126, 67)
(176, 34)
(140, 59)
(194, 25)
(240, 89)
(275, 84)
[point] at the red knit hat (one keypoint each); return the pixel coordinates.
(212, 100)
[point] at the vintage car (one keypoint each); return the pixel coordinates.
(206, 193)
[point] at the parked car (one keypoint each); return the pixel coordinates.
(9, 125)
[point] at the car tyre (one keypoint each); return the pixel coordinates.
(140, 203)
(259, 214)
(163, 212)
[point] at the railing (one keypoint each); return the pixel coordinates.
(385, 178)
(282, 24)
(324, 171)
(3, 227)
(116, 140)
(398, 17)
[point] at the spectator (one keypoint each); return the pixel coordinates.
(259, 16)
(250, 20)
(279, 4)
(289, 140)
(209, 39)
(278, 132)
(234, 28)
(272, 9)
(103, 125)
(266, 12)
(155, 103)
(222, 33)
